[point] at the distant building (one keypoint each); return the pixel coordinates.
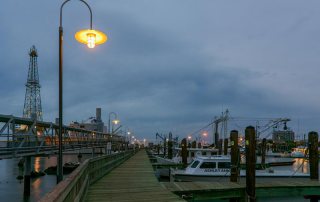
(95, 123)
(283, 136)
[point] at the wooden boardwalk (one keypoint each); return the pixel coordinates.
(134, 180)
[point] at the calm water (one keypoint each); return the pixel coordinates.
(11, 189)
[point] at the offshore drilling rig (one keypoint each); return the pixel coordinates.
(32, 102)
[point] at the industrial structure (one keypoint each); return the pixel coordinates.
(32, 103)
(95, 124)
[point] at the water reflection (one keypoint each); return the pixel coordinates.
(11, 189)
(301, 165)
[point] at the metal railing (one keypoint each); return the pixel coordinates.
(23, 137)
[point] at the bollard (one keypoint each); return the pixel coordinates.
(250, 163)
(225, 146)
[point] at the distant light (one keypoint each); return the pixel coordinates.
(91, 37)
(189, 137)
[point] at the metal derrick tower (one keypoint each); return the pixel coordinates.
(32, 102)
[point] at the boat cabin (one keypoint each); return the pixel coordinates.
(207, 165)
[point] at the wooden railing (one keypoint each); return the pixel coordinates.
(75, 186)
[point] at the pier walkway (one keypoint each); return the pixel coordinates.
(134, 180)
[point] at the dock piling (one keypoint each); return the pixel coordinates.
(225, 146)
(235, 157)
(26, 181)
(313, 155)
(263, 152)
(220, 147)
(170, 149)
(250, 138)
(184, 152)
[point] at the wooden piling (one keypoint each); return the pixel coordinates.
(184, 152)
(27, 177)
(250, 138)
(263, 152)
(235, 156)
(170, 149)
(220, 147)
(313, 155)
(225, 146)
(164, 147)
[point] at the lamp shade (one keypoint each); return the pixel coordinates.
(89, 36)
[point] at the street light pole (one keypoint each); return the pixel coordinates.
(91, 38)
(109, 122)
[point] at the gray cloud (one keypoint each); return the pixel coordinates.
(169, 65)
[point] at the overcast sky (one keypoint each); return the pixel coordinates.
(169, 65)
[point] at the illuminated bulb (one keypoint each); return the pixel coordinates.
(91, 40)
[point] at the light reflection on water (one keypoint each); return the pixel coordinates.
(11, 189)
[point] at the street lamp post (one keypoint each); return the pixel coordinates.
(114, 121)
(91, 38)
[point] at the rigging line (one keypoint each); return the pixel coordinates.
(202, 128)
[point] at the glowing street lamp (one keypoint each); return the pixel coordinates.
(115, 121)
(91, 38)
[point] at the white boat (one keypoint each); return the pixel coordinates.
(192, 153)
(299, 152)
(218, 167)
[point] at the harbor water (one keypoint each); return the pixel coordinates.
(11, 189)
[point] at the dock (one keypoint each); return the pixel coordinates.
(134, 180)
(299, 188)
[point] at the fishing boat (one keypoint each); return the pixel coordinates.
(219, 166)
(192, 153)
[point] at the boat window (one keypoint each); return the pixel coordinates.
(204, 153)
(208, 165)
(195, 164)
(224, 165)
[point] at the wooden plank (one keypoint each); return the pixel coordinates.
(134, 180)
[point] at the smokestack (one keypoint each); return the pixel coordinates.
(98, 114)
